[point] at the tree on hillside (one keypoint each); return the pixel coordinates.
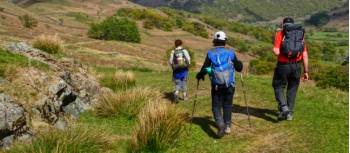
(319, 19)
(115, 28)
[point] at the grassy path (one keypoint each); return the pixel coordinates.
(320, 125)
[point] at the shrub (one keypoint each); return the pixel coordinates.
(260, 33)
(190, 52)
(319, 19)
(259, 66)
(128, 103)
(334, 77)
(216, 23)
(158, 128)
(115, 28)
(49, 44)
(119, 81)
(28, 21)
(71, 140)
(150, 17)
(195, 28)
(242, 46)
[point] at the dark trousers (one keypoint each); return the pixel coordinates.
(286, 75)
(222, 105)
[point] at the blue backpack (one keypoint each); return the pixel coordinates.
(222, 67)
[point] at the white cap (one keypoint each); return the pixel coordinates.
(220, 35)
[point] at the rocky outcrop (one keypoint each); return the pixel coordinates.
(13, 123)
(67, 89)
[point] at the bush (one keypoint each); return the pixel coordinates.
(334, 77)
(119, 81)
(158, 128)
(71, 140)
(318, 19)
(260, 33)
(216, 23)
(259, 66)
(115, 28)
(195, 28)
(128, 103)
(150, 17)
(190, 52)
(49, 44)
(28, 21)
(242, 46)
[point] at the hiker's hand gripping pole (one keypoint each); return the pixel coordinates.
(194, 105)
(245, 100)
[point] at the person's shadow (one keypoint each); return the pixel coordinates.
(206, 124)
(257, 112)
(169, 96)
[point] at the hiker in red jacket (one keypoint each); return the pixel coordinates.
(291, 51)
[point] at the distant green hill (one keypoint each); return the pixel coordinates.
(248, 10)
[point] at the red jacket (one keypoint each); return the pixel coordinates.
(278, 43)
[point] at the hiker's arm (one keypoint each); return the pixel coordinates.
(278, 42)
(171, 59)
(237, 64)
(306, 64)
(203, 71)
(187, 56)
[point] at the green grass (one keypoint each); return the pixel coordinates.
(329, 36)
(119, 127)
(9, 61)
(81, 17)
(70, 140)
(320, 125)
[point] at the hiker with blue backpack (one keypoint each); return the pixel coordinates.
(180, 61)
(291, 52)
(221, 64)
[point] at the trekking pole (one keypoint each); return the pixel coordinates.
(194, 105)
(245, 100)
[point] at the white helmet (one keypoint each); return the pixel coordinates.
(220, 35)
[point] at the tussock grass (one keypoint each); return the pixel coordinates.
(120, 80)
(128, 102)
(49, 44)
(159, 126)
(71, 140)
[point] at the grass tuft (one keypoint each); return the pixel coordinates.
(120, 80)
(71, 140)
(49, 44)
(128, 102)
(158, 128)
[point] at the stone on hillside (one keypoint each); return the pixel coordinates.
(12, 121)
(29, 51)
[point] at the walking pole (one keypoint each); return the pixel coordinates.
(245, 100)
(194, 105)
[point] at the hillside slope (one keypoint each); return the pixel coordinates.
(249, 10)
(321, 117)
(70, 20)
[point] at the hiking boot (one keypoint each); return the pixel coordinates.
(221, 132)
(176, 98)
(227, 130)
(289, 117)
(284, 112)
